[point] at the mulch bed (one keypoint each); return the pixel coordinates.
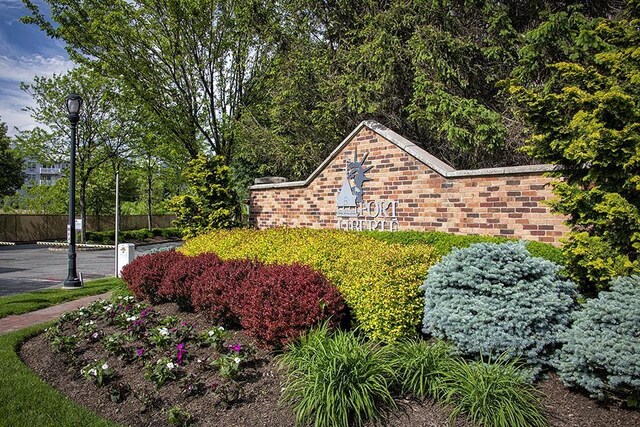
(262, 381)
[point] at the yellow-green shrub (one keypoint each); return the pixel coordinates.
(379, 281)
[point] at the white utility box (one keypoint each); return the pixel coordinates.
(126, 254)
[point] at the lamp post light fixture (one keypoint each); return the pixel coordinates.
(73, 104)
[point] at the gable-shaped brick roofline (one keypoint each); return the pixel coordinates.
(413, 150)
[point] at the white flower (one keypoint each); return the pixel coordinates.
(163, 332)
(199, 360)
(105, 367)
(94, 335)
(237, 360)
(220, 328)
(170, 365)
(132, 318)
(93, 372)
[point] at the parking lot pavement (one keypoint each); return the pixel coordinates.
(30, 267)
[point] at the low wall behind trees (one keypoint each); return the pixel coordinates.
(31, 228)
(378, 180)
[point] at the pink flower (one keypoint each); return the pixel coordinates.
(140, 352)
(235, 347)
(180, 354)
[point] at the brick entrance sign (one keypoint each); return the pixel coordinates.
(378, 180)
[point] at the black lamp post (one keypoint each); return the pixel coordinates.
(73, 103)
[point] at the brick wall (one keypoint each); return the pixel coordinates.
(428, 194)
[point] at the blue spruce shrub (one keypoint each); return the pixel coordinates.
(602, 348)
(490, 299)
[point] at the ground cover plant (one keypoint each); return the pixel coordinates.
(601, 352)
(493, 298)
(378, 281)
(30, 301)
(167, 361)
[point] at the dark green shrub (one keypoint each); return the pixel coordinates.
(602, 349)
(493, 393)
(419, 365)
(108, 237)
(493, 298)
(444, 243)
(337, 380)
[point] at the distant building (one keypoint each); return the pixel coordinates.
(38, 174)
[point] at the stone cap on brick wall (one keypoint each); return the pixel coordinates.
(413, 150)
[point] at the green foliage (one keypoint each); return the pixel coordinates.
(419, 366)
(179, 417)
(601, 352)
(443, 243)
(378, 281)
(40, 199)
(584, 110)
(337, 380)
(107, 237)
(12, 176)
(493, 393)
(210, 201)
(493, 298)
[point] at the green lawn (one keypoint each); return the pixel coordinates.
(30, 301)
(25, 400)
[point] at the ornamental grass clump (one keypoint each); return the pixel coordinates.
(493, 393)
(419, 366)
(601, 352)
(337, 379)
(494, 298)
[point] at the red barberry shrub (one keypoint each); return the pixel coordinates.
(214, 292)
(182, 275)
(279, 302)
(144, 274)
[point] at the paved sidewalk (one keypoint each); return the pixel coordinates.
(20, 321)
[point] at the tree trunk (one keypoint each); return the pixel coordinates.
(83, 209)
(149, 183)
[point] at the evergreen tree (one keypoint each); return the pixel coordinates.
(12, 175)
(584, 113)
(209, 201)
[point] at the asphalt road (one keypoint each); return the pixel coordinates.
(26, 268)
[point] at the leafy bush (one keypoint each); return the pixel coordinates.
(419, 366)
(277, 303)
(144, 274)
(492, 298)
(210, 201)
(583, 113)
(181, 276)
(214, 292)
(602, 348)
(444, 243)
(337, 380)
(492, 394)
(379, 281)
(108, 237)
